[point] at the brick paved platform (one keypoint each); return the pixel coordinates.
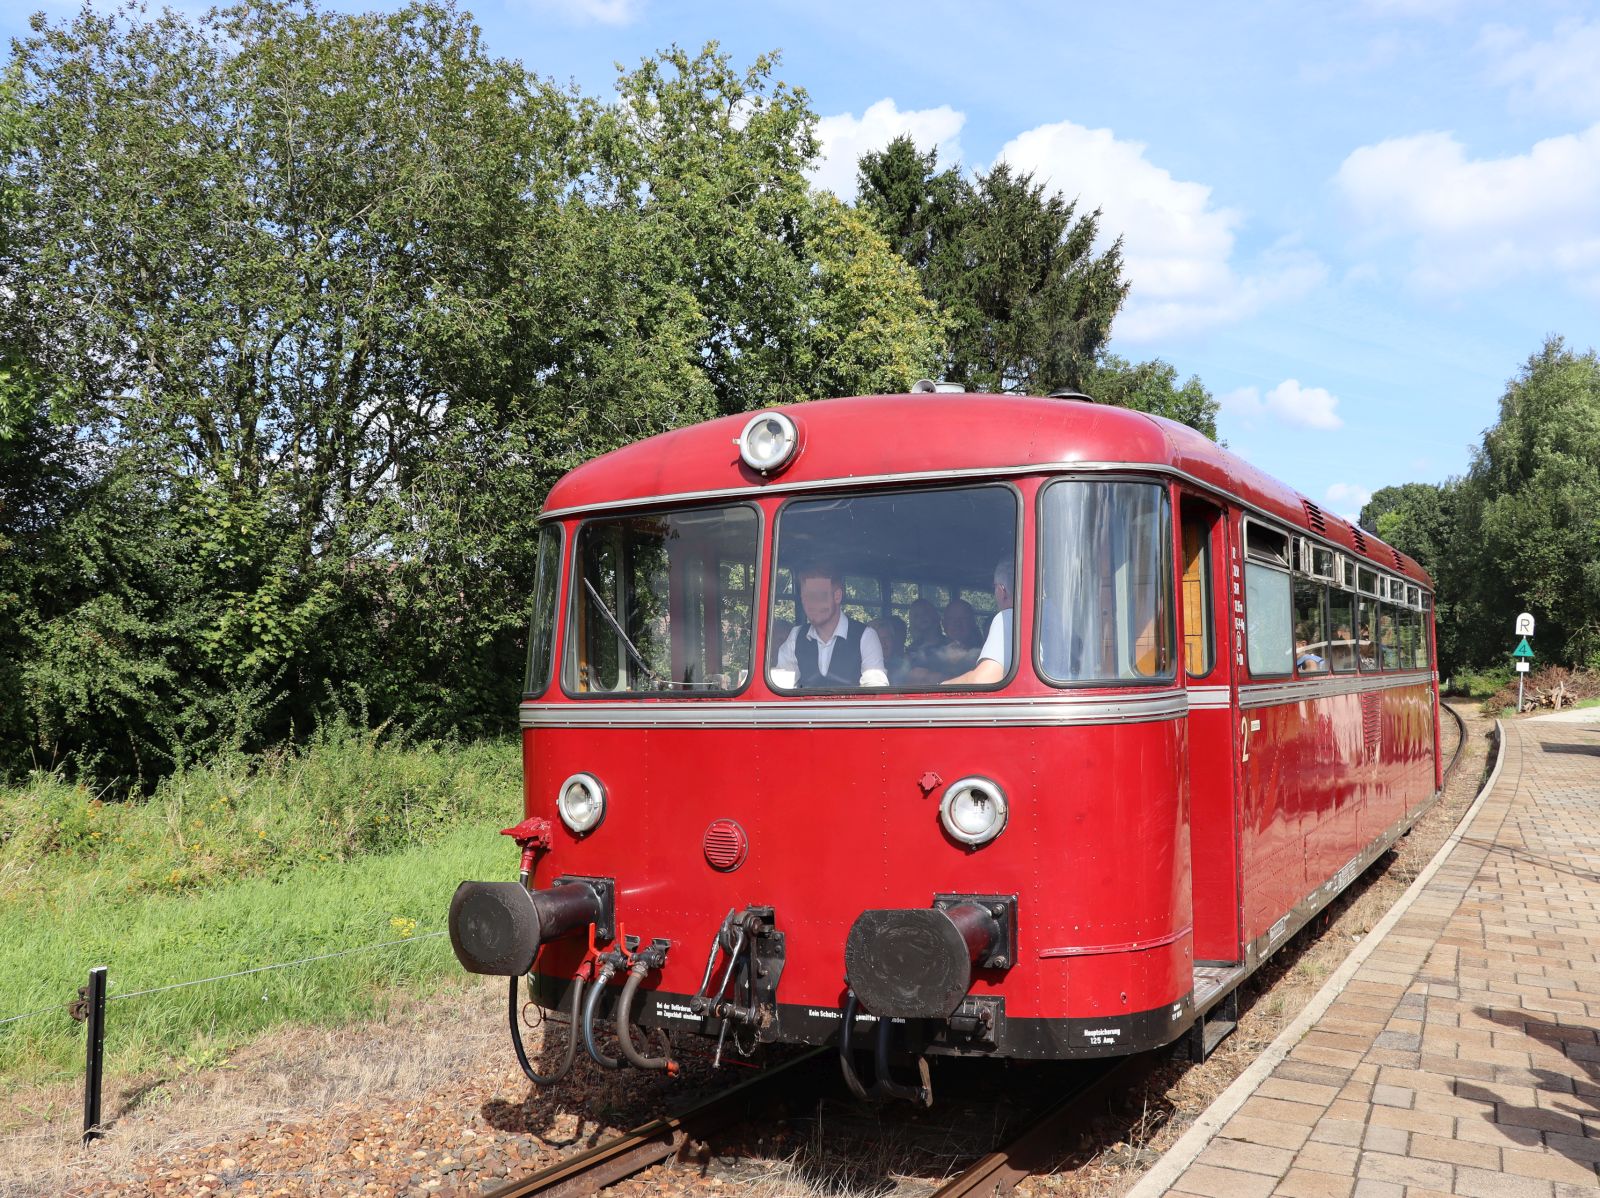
(1461, 1057)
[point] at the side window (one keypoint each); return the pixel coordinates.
(1367, 634)
(1310, 628)
(1341, 631)
(1268, 635)
(542, 625)
(1199, 651)
(1389, 636)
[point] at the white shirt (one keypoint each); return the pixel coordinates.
(997, 645)
(786, 673)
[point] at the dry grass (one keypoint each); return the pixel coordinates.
(303, 1074)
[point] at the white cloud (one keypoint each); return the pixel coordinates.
(1473, 222)
(602, 12)
(1557, 75)
(1288, 402)
(1178, 245)
(1347, 500)
(844, 138)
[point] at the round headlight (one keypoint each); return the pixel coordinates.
(973, 810)
(582, 803)
(768, 441)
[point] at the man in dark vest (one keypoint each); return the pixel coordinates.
(829, 651)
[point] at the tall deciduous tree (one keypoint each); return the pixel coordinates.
(341, 296)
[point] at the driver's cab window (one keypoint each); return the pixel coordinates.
(904, 591)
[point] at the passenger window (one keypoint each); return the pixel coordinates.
(1197, 619)
(1388, 637)
(1341, 631)
(1268, 632)
(1310, 628)
(1367, 634)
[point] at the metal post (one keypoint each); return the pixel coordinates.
(1520, 677)
(94, 1071)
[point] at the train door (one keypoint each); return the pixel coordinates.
(1208, 574)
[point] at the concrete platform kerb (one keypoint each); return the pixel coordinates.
(1177, 1159)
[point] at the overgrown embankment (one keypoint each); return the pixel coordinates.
(354, 841)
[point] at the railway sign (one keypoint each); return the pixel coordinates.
(1525, 624)
(1522, 667)
(1523, 650)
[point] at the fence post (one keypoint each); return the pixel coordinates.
(94, 1069)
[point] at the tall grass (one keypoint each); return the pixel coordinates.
(354, 840)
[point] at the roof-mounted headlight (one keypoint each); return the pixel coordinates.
(582, 803)
(973, 810)
(768, 442)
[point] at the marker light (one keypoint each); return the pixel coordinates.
(582, 803)
(973, 810)
(768, 442)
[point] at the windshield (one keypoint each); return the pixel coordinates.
(1105, 583)
(663, 603)
(910, 590)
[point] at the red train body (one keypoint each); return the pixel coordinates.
(1178, 795)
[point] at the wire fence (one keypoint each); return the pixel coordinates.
(91, 1003)
(223, 977)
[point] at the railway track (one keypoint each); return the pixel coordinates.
(798, 1081)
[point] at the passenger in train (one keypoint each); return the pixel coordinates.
(1343, 649)
(891, 632)
(995, 656)
(961, 627)
(831, 651)
(925, 645)
(1306, 659)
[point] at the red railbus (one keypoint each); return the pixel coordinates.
(944, 724)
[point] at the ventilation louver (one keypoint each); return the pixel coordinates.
(1361, 541)
(1399, 562)
(1314, 516)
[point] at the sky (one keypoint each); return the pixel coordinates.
(1354, 222)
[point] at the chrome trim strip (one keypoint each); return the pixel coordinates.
(856, 713)
(1267, 694)
(1205, 698)
(976, 472)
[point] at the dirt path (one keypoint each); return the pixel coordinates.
(363, 1110)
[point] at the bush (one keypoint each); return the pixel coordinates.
(346, 794)
(1546, 687)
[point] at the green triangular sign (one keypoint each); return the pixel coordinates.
(1522, 650)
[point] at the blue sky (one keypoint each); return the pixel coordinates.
(1354, 222)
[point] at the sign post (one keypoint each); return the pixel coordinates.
(1523, 651)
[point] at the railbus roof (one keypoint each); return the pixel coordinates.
(926, 437)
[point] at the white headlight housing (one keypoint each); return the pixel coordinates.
(768, 442)
(582, 803)
(973, 810)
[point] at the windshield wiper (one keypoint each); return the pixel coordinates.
(616, 627)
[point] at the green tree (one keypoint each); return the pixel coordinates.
(340, 299)
(1153, 387)
(1534, 494)
(1028, 300)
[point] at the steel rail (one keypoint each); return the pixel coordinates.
(1038, 1146)
(590, 1171)
(1461, 737)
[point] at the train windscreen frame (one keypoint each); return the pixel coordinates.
(1104, 610)
(661, 603)
(924, 578)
